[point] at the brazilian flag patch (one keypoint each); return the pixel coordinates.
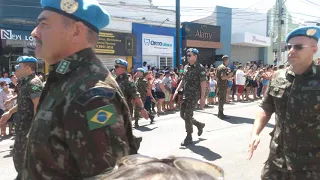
(101, 117)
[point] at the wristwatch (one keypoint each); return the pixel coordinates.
(141, 108)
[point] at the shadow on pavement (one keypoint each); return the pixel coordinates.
(9, 155)
(5, 138)
(202, 151)
(145, 128)
(238, 120)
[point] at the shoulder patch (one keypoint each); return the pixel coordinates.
(132, 84)
(203, 73)
(101, 117)
(93, 93)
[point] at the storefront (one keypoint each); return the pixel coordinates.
(206, 38)
(157, 50)
(113, 45)
(15, 43)
(248, 47)
(155, 45)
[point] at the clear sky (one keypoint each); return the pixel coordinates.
(195, 9)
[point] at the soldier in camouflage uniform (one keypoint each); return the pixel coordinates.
(83, 124)
(222, 84)
(144, 90)
(30, 88)
(128, 88)
(194, 88)
(294, 96)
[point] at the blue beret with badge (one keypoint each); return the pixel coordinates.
(141, 70)
(194, 50)
(312, 32)
(26, 59)
(90, 12)
(121, 62)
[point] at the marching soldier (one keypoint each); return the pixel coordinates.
(83, 124)
(294, 96)
(144, 90)
(30, 87)
(194, 88)
(222, 84)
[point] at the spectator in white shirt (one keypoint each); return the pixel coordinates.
(240, 82)
(144, 66)
(5, 77)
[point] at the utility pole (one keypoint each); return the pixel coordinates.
(178, 58)
(280, 22)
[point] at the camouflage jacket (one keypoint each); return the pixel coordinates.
(82, 125)
(222, 71)
(193, 75)
(295, 100)
(142, 86)
(30, 88)
(128, 88)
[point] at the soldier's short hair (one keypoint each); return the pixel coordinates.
(32, 65)
(139, 167)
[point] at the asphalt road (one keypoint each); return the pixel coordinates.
(224, 142)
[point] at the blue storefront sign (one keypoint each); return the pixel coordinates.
(157, 40)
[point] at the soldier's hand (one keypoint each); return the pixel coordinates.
(7, 102)
(174, 95)
(144, 114)
(254, 142)
(5, 117)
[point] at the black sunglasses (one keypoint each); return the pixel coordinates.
(297, 47)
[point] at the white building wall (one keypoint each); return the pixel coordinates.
(125, 12)
(249, 21)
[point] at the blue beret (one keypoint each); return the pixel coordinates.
(141, 70)
(307, 31)
(121, 62)
(17, 66)
(194, 50)
(87, 11)
(26, 59)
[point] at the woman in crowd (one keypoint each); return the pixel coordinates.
(5, 94)
(159, 91)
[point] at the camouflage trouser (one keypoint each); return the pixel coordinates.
(130, 108)
(18, 152)
(222, 93)
(272, 172)
(186, 113)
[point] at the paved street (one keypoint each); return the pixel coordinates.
(224, 143)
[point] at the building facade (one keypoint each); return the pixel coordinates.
(17, 20)
(206, 38)
(243, 35)
(155, 45)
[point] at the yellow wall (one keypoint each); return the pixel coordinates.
(129, 60)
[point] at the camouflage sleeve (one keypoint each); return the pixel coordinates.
(132, 89)
(203, 76)
(98, 130)
(267, 103)
(35, 88)
(145, 84)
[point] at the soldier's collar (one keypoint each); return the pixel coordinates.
(312, 70)
(30, 76)
(193, 65)
(72, 62)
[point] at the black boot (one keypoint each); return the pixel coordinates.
(152, 118)
(187, 141)
(136, 124)
(200, 128)
(137, 141)
(222, 116)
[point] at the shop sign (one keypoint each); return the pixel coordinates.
(10, 35)
(112, 43)
(255, 39)
(157, 45)
(201, 32)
